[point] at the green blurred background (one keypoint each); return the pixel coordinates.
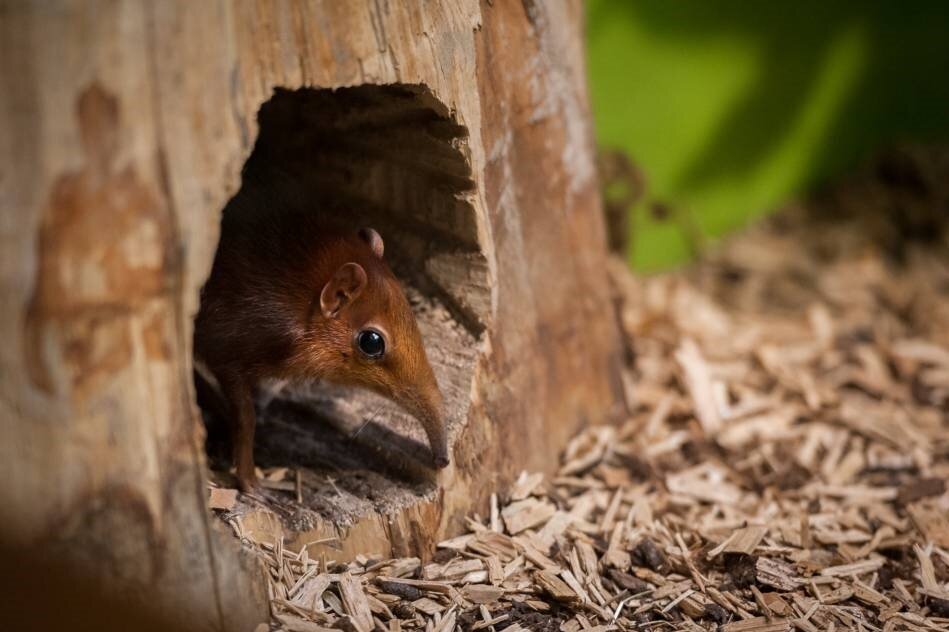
(730, 107)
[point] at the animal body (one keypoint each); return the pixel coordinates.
(292, 297)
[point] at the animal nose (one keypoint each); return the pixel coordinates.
(439, 446)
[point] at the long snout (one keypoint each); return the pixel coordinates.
(428, 410)
(438, 440)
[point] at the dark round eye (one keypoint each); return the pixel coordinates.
(371, 343)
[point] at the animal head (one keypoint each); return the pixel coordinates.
(366, 334)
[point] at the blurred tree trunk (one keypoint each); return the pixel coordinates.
(123, 128)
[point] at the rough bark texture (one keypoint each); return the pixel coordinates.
(123, 129)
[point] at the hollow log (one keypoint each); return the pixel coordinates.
(460, 129)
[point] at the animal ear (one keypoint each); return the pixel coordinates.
(347, 283)
(374, 239)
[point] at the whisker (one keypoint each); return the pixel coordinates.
(369, 418)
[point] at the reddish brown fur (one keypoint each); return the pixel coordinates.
(261, 317)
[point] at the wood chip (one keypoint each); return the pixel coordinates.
(221, 498)
(758, 624)
(355, 603)
(746, 540)
(556, 587)
(482, 593)
(931, 521)
(495, 570)
(857, 568)
(430, 586)
(428, 606)
(777, 574)
(525, 485)
(525, 514)
(294, 623)
(698, 381)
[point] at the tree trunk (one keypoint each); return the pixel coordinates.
(464, 135)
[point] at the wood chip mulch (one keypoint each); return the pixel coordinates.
(785, 467)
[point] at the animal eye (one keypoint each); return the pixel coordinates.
(371, 343)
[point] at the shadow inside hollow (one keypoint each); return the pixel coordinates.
(311, 434)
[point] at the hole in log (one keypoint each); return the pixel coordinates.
(391, 157)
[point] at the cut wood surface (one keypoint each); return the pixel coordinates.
(123, 131)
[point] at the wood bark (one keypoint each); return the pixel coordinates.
(123, 130)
